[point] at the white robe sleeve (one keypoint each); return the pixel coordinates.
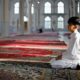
(78, 43)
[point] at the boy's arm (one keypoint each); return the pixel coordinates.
(78, 44)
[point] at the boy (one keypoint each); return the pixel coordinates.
(71, 58)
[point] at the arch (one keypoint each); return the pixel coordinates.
(47, 7)
(16, 8)
(47, 22)
(60, 7)
(60, 22)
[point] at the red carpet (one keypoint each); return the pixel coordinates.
(33, 42)
(11, 51)
(21, 52)
(38, 44)
(27, 55)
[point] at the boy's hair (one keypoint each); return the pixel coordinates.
(74, 20)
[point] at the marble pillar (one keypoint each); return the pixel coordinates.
(21, 17)
(5, 18)
(29, 4)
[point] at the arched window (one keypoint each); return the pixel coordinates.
(47, 23)
(47, 7)
(60, 22)
(16, 8)
(60, 7)
(25, 19)
(32, 9)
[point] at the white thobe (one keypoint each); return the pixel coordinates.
(70, 58)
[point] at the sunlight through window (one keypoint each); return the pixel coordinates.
(47, 23)
(32, 9)
(60, 7)
(47, 7)
(60, 22)
(25, 19)
(16, 8)
(78, 7)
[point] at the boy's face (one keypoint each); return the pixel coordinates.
(72, 27)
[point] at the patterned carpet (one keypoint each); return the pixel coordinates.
(65, 74)
(15, 71)
(25, 71)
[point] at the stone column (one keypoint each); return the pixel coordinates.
(37, 15)
(38, 3)
(21, 17)
(29, 3)
(70, 8)
(5, 18)
(74, 7)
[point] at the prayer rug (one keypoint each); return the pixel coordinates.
(42, 44)
(36, 42)
(28, 51)
(36, 55)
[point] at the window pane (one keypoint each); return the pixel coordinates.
(32, 9)
(47, 23)
(16, 8)
(78, 7)
(60, 7)
(25, 19)
(47, 7)
(60, 22)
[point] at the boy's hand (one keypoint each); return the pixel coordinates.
(59, 57)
